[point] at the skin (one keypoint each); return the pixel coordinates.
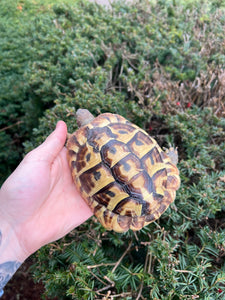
(39, 202)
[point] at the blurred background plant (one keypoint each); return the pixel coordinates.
(161, 65)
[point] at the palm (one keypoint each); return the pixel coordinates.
(44, 202)
(62, 209)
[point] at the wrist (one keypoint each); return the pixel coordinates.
(11, 254)
(10, 248)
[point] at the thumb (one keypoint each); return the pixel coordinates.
(54, 143)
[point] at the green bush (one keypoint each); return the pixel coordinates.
(180, 256)
(151, 55)
(161, 65)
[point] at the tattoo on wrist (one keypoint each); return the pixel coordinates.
(7, 269)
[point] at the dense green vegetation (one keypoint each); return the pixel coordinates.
(161, 65)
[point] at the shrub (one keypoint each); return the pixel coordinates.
(161, 66)
(180, 256)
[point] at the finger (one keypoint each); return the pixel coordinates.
(54, 143)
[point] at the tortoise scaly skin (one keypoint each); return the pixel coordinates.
(121, 172)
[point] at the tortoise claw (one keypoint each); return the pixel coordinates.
(172, 153)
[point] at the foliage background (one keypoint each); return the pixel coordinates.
(161, 65)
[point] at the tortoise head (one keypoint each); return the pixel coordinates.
(83, 117)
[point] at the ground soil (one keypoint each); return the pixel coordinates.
(22, 286)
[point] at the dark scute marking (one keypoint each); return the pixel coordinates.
(97, 208)
(145, 208)
(87, 184)
(80, 165)
(124, 162)
(86, 178)
(106, 188)
(80, 160)
(96, 133)
(158, 197)
(168, 199)
(119, 118)
(123, 132)
(155, 155)
(119, 207)
(71, 153)
(126, 167)
(96, 149)
(121, 126)
(111, 147)
(148, 185)
(73, 164)
(112, 150)
(164, 184)
(73, 140)
(139, 143)
(82, 152)
(110, 193)
(160, 173)
(162, 208)
(102, 199)
(94, 145)
(104, 195)
(172, 181)
(107, 118)
(88, 156)
(97, 175)
(140, 137)
(150, 218)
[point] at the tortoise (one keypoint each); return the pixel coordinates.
(121, 172)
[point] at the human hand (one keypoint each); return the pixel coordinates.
(39, 200)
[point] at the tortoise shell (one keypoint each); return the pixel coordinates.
(121, 172)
